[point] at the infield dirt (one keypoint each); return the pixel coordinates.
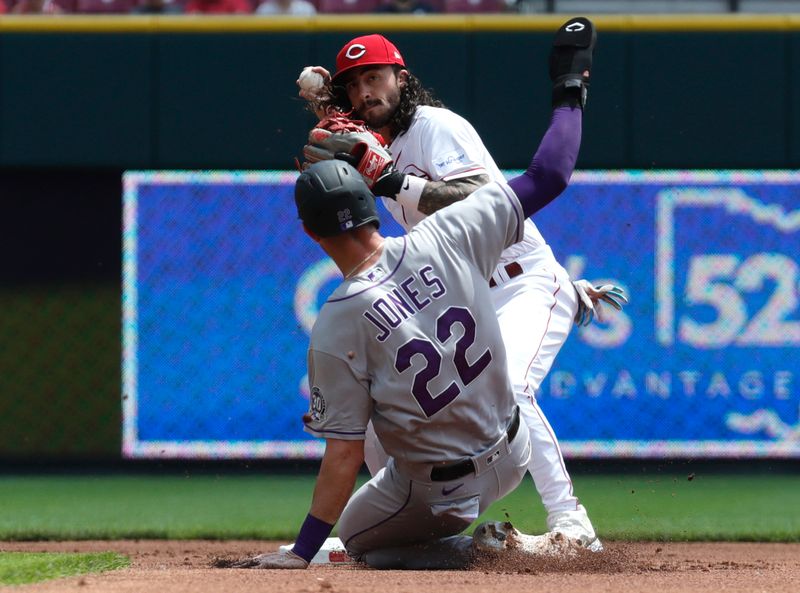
(187, 566)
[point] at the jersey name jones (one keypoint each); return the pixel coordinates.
(411, 296)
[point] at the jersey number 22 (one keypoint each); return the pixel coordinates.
(467, 371)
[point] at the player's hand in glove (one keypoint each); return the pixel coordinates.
(286, 559)
(389, 182)
(591, 298)
(571, 62)
(338, 136)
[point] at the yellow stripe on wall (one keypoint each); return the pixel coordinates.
(732, 23)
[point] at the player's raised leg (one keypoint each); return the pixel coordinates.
(535, 324)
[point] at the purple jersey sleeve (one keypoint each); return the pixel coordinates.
(552, 165)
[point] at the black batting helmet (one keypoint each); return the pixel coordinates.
(332, 198)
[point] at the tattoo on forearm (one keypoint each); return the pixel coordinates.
(438, 194)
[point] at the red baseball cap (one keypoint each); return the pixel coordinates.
(364, 51)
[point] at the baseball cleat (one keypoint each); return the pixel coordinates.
(595, 546)
(496, 537)
(492, 536)
(577, 526)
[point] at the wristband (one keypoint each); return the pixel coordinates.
(312, 535)
(409, 194)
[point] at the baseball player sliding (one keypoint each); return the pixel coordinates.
(411, 343)
(439, 159)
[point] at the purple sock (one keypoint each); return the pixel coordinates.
(552, 165)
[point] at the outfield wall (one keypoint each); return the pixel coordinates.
(200, 92)
(84, 98)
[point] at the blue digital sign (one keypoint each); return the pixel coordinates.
(221, 288)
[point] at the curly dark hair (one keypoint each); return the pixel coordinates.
(411, 96)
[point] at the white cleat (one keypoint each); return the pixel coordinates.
(331, 552)
(498, 536)
(576, 525)
(492, 536)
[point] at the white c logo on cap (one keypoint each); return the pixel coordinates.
(360, 50)
(574, 27)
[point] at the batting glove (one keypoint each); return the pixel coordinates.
(571, 62)
(284, 560)
(590, 299)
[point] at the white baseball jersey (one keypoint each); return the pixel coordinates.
(442, 145)
(413, 342)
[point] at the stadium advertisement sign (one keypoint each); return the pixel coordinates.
(221, 288)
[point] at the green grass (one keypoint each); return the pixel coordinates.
(19, 568)
(627, 507)
(174, 507)
(672, 507)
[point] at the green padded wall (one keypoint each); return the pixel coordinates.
(223, 98)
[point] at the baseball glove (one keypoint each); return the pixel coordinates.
(337, 135)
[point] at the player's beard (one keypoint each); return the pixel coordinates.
(380, 118)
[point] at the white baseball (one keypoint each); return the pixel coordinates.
(311, 81)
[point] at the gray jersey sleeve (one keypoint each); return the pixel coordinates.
(489, 220)
(339, 403)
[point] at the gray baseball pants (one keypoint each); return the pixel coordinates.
(405, 517)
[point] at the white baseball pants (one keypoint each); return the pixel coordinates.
(536, 311)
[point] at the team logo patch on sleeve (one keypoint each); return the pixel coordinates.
(316, 405)
(447, 162)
